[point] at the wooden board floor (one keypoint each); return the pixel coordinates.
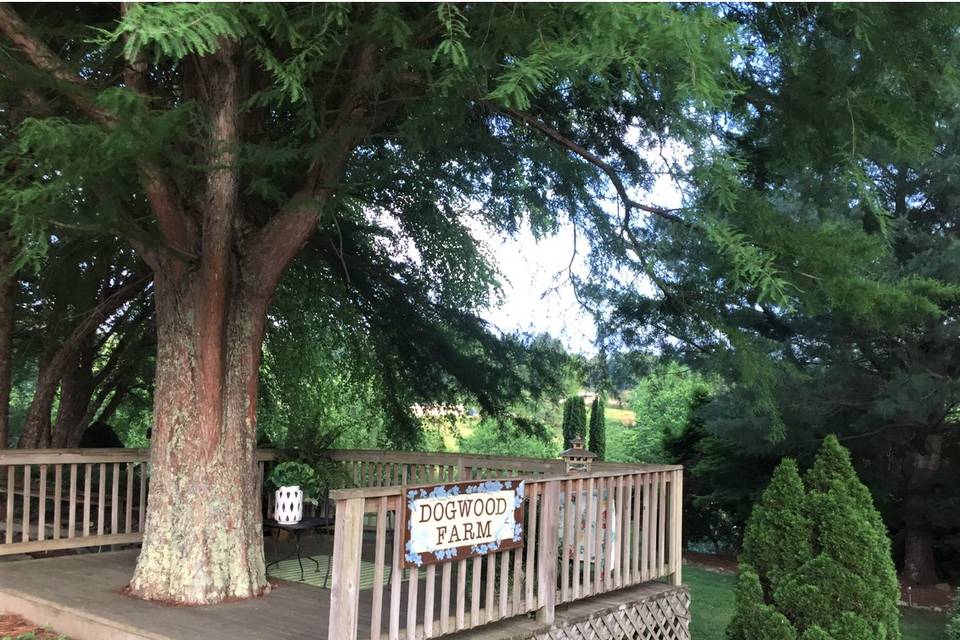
(80, 596)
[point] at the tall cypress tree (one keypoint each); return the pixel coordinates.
(574, 420)
(598, 433)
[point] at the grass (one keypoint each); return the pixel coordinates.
(712, 606)
(623, 416)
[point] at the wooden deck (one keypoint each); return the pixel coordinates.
(80, 597)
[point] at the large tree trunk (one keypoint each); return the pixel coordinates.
(36, 424)
(76, 390)
(8, 285)
(203, 541)
(36, 432)
(919, 565)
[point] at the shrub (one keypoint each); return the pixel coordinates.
(816, 559)
(598, 429)
(953, 621)
(287, 474)
(778, 536)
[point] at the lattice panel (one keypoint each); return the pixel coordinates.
(665, 617)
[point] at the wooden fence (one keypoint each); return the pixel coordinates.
(70, 498)
(585, 534)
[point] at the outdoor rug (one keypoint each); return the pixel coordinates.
(290, 570)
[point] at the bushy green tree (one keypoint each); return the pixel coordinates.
(574, 420)
(500, 437)
(816, 560)
(663, 402)
(598, 429)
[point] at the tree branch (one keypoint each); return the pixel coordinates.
(276, 244)
(40, 56)
(570, 145)
(165, 203)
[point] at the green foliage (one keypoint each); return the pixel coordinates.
(574, 420)
(663, 402)
(841, 192)
(597, 441)
(953, 620)
(753, 618)
(816, 559)
(291, 473)
(778, 536)
(498, 437)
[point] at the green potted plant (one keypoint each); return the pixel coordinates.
(294, 482)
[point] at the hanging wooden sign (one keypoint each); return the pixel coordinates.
(460, 520)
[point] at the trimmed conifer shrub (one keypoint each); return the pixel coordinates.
(816, 559)
(598, 429)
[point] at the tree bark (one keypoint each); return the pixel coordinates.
(8, 284)
(36, 424)
(203, 540)
(919, 565)
(36, 433)
(76, 391)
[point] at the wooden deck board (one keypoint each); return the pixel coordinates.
(81, 597)
(87, 587)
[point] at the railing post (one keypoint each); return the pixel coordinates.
(547, 540)
(676, 527)
(345, 582)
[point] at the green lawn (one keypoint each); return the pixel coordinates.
(625, 417)
(712, 606)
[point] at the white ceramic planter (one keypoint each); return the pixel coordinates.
(288, 507)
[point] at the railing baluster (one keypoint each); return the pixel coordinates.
(25, 533)
(378, 570)
(530, 543)
(516, 607)
(475, 592)
(142, 513)
(588, 550)
(461, 594)
(396, 576)
(413, 586)
(662, 527)
(115, 500)
(567, 542)
(445, 575)
(579, 515)
(72, 517)
(87, 479)
(504, 583)
(128, 500)
(57, 497)
(11, 491)
(101, 497)
(42, 505)
(491, 584)
(676, 528)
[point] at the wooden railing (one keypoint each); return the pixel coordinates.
(374, 468)
(563, 557)
(70, 498)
